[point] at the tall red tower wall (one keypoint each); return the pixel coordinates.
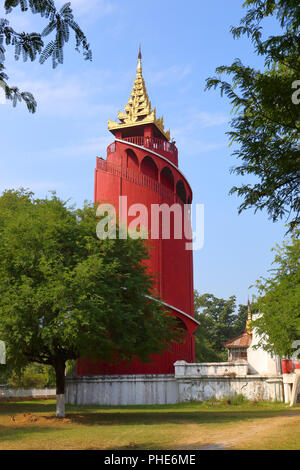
(143, 166)
(147, 177)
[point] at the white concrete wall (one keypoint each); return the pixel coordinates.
(168, 389)
(23, 392)
(252, 387)
(122, 390)
(288, 383)
(223, 369)
(205, 381)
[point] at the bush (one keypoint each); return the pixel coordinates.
(33, 376)
(71, 367)
(237, 399)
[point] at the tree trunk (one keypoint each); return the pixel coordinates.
(60, 366)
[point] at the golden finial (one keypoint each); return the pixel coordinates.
(249, 320)
(139, 66)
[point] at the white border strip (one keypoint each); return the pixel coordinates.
(174, 308)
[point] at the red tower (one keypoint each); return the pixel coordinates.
(142, 164)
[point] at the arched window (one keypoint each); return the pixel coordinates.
(149, 168)
(180, 191)
(132, 160)
(167, 178)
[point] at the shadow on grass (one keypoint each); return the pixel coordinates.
(36, 406)
(15, 433)
(156, 418)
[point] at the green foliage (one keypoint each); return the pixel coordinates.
(240, 320)
(203, 349)
(33, 376)
(219, 318)
(279, 300)
(5, 374)
(71, 367)
(31, 45)
(218, 324)
(66, 294)
(266, 124)
(235, 400)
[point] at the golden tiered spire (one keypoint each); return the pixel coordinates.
(249, 320)
(138, 110)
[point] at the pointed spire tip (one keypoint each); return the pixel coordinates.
(139, 66)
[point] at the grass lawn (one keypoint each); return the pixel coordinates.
(32, 425)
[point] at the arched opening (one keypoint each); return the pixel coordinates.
(180, 191)
(132, 160)
(167, 178)
(149, 168)
(180, 324)
(179, 346)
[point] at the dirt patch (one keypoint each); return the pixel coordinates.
(251, 433)
(32, 418)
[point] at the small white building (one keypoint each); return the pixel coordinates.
(245, 347)
(260, 361)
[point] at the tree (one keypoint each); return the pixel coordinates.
(266, 105)
(279, 301)
(65, 294)
(218, 324)
(240, 320)
(32, 376)
(31, 45)
(203, 348)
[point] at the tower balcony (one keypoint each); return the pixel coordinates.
(163, 147)
(140, 179)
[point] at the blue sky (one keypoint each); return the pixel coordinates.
(182, 44)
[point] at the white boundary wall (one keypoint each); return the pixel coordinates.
(253, 387)
(24, 392)
(219, 369)
(191, 382)
(122, 390)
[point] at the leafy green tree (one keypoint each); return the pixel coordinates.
(5, 374)
(33, 376)
(217, 318)
(279, 301)
(240, 320)
(203, 349)
(32, 46)
(65, 294)
(266, 106)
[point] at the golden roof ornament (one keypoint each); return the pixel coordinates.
(249, 320)
(138, 111)
(139, 66)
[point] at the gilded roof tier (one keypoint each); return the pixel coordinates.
(138, 111)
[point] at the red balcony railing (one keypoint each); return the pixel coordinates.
(167, 149)
(140, 179)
